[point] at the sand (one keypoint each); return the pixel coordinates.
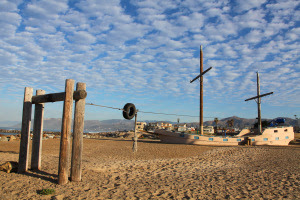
(160, 171)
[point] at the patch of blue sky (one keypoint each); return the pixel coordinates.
(129, 8)
(131, 42)
(128, 55)
(102, 55)
(172, 13)
(73, 5)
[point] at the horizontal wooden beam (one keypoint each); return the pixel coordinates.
(80, 94)
(259, 96)
(201, 74)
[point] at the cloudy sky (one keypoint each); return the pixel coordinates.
(145, 52)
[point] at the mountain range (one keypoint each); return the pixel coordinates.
(122, 124)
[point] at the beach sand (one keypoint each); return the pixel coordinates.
(159, 171)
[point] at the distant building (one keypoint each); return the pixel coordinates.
(140, 126)
(152, 126)
(208, 129)
(181, 128)
(191, 129)
(166, 126)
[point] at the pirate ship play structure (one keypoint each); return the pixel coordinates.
(280, 135)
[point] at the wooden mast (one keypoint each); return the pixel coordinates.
(201, 92)
(200, 76)
(258, 105)
(258, 101)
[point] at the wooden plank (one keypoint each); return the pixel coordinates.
(53, 97)
(201, 74)
(25, 131)
(36, 155)
(259, 96)
(65, 133)
(77, 146)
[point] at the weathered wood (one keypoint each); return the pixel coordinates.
(65, 133)
(80, 94)
(256, 97)
(201, 92)
(25, 131)
(134, 146)
(201, 74)
(77, 146)
(36, 155)
(258, 105)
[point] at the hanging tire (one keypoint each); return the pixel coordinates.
(129, 111)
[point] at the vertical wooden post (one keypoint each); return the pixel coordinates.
(134, 147)
(65, 133)
(201, 92)
(25, 131)
(77, 146)
(258, 106)
(36, 155)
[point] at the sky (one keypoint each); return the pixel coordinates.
(146, 52)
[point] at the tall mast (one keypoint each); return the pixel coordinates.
(200, 76)
(201, 92)
(258, 105)
(258, 101)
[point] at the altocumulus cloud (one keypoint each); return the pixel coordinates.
(153, 43)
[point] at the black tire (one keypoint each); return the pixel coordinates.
(129, 111)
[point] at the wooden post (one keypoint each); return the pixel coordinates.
(78, 127)
(36, 155)
(25, 131)
(201, 92)
(134, 147)
(258, 106)
(65, 133)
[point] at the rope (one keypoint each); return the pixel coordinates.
(91, 104)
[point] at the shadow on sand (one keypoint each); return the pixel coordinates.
(42, 175)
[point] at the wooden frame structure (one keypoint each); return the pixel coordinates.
(68, 96)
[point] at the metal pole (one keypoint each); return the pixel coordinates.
(201, 92)
(134, 148)
(258, 105)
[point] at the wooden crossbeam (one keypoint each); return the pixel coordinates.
(256, 97)
(77, 95)
(201, 74)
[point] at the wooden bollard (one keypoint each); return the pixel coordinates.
(36, 155)
(25, 131)
(78, 136)
(65, 133)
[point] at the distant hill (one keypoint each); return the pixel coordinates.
(89, 125)
(242, 122)
(8, 123)
(122, 124)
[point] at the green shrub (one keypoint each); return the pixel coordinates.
(46, 191)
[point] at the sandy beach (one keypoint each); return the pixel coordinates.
(159, 171)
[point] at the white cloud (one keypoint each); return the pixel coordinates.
(82, 37)
(251, 19)
(9, 6)
(254, 36)
(153, 50)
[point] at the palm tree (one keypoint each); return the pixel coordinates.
(216, 120)
(230, 122)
